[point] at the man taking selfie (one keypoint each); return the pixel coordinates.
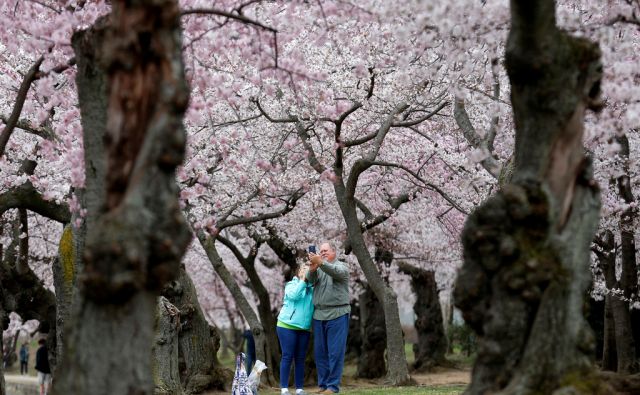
(330, 278)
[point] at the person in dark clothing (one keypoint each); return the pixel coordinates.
(251, 349)
(24, 358)
(43, 368)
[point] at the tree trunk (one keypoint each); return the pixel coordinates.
(4, 327)
(243, 304)
(371, 363)
(354, 338)
(267, 317)
(620, 318)
(136, 234)
(595, 317)
(606, 253)
(166, 375)
(198, 341)
(629, 274)
(609, 356)
(4, 320)
(64, 275)
(398, 372)
(432, 342)
(24, 292)
(527, 249)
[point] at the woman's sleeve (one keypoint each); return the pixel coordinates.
(294, 289)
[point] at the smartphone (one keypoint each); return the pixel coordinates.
(312, 249)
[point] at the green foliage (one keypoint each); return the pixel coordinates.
(462, 340)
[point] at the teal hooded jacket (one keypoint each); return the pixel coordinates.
(297, 309)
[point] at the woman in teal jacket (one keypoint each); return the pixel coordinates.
(294, 329)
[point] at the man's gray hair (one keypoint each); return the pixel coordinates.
(331, 244)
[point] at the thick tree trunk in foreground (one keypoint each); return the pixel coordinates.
(198, 341)
(166, 375)
(371, 362)
(527, 249)
(431, 347)
(138, 234)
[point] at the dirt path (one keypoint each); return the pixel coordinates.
(439, 378)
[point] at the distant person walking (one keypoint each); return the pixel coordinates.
(42, 367)
(293, 328)
(24, 358)
(330, 279)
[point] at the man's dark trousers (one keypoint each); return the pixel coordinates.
(329, 344)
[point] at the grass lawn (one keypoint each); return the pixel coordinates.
(445, 381)
(434, 390)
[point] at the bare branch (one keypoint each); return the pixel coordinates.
(313, 159)
(240, 18)
(271, 119)
(363, 207)
(291, 203)
(427, 184)
(395, 204)
(17, 107)
(45, 133)
(383, 130)
(471, 135)
(422, 119)
(25, 196)
(231, 246)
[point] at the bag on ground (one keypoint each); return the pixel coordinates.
(240, 384)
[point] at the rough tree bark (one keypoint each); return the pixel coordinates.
(4, 324)
(24, 292)
(198, 341)
(609, 355)
(620, 318)
(527, 249)
(354, 338)
(398, 372)
(166, 375)
(371, 362)
(629, 274)
(138, 235)
(431, 347)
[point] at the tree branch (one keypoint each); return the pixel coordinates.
(237, 17)
(395, 204)
(422, 119)
(231, 246)
(311, 155)
(17, 107)
(427, 184)
(271, 119)
(26, 197)
(471, 135)
(45, 133)
(291, 203)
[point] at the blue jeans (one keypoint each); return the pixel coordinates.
(329, 345)
(293, 344)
